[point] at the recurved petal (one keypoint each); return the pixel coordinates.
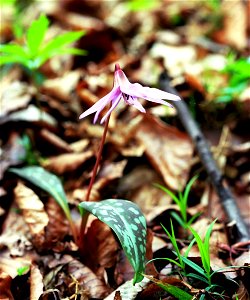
(137, 90)
(113, 106)
(100, 104)
(138, 105)
(156, 93)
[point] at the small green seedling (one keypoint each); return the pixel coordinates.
(180, 262)
(141, 5)
(205, 273)
(22, 270)
(31, 157)
(124, 217)
(182, 202)
(238, 72)
(35, 52)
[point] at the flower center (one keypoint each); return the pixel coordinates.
(128, 99)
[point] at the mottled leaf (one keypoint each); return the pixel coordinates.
(129, 224)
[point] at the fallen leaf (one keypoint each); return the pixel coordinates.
(54, 141)
(15, 234)
(62, 87)
(5, 286)
(15, 96)
(36, 283)
(68, 162)
(12, 153)
(88, 280)
(235, 20)
(102, 247)
(57, 227)
(170, 153)
(30, 114)
(33, 213)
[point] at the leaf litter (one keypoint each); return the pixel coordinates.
(190, 41)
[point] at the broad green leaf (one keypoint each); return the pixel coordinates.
(13, 49)
(172, 289)
(36, 34)
(10, 59)
(42, 57)
(47, 182)
(61, 41)
(128, 223)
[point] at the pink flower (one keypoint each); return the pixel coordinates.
(129, 92)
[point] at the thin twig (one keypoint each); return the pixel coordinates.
(227, 199)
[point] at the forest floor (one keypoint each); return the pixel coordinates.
(202, 48)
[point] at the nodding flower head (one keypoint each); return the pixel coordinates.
(129, 92)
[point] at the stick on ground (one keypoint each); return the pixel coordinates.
(226, 197)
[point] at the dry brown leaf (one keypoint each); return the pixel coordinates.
(79, 146)
(10, 265)
(57, 228)
(14, 96)
(67, 162)
(36, 283)
(12, 153)
(109, 172)
(121, 135)
(30, 114)
(169, 151)
(33, 212)
(176, 65)
(102, 248)
(235, 20)
(78, 22)
(243, 259)
(242, 292)
(62, 87)
(15, 235)
(90, 283)
(54, 141)
(5, 286)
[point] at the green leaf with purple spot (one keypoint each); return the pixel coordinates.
(128, 223)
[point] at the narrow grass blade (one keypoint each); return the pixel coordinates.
(171, 289)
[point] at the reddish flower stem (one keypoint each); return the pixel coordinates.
(92, 180)
(98, 159)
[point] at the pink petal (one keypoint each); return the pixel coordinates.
(100, 104)
(156, 93)
(114, 104)
(138, 105)
(137, 90)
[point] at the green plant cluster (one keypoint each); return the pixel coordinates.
(35, 51)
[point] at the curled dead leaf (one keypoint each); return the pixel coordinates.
(66, 162)
(36, 283)
(169, 151)
(33, 212)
